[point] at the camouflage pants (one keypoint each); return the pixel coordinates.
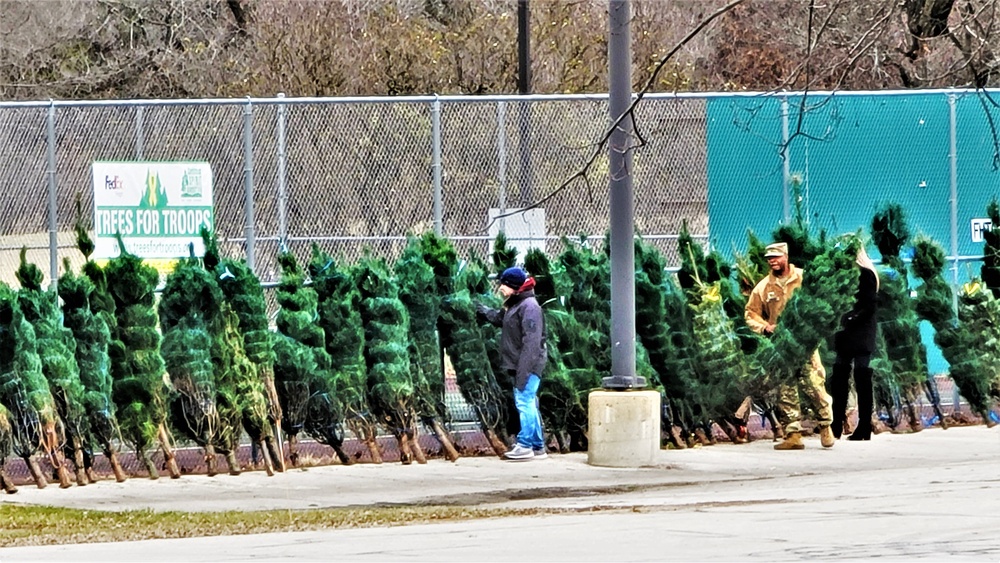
(812, 384)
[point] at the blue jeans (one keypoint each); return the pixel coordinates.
(526, 402)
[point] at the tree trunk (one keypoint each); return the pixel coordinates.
(116, 465)
(366, 432)
(271, 392)
(5, 483)
(373, 449)
(293, 450)
(342, 455)
(51, 444)
(495, 442)
(36, 472)
(211, 461)
(168, 452)
(418, 451)
(81, 467)
(277, 456)
(445, 438)
(233, 463)
(266, 456)
(405, 455)
(150, 466)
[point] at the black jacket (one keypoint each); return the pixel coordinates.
(522, 341)
(857, 335)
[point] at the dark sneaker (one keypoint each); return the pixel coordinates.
(520, 453)
(540, 453)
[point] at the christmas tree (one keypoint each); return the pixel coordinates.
(391, 391)
(960, 337)
(6, 442)
(340, 318)
(92, 338)
(417, 293)
(303, 366)
(245, 296)
(898, 321)
(811, 315)
(189, 305)
(25, 392)
(57, 352)
(138, 389)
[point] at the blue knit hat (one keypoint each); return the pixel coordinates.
(513, 277)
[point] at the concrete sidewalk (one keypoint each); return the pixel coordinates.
(935, 494)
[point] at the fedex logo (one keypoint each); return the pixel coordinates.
(113, 183)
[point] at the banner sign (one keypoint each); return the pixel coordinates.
(157, 207)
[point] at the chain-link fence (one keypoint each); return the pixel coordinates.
(354, 175)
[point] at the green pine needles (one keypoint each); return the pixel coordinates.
(390, 384)
(340, 318)
(189, 306)
(92, 339)
(137, 368)
(418, 295)
(57, 352)
(303, 367)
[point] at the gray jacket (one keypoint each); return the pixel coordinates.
(522, 341)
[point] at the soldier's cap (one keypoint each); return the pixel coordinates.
(776, 249)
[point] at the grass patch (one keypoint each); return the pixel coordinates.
(38, 525)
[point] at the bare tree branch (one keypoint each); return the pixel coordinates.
(629, 113)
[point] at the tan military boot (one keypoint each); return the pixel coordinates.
(793, 441)
(826, 437)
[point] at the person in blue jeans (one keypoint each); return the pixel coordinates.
(523, 354)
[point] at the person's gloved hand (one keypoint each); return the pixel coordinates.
(481, 310)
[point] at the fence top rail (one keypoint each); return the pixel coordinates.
(495, 98)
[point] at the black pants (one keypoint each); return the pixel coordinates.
(840, 387)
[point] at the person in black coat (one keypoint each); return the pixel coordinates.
(855, 344)
(523, 353)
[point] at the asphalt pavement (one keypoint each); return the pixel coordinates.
(930, 495)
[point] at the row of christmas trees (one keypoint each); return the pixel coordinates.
(359, 347)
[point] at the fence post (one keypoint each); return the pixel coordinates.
(786, 162)
(436, 164)
(282, 193)
(50, 172)
(502, 160)
(953, 159)
(140, 136)
(248, 183)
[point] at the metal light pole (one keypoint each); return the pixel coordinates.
(524, 87)
(622, 204)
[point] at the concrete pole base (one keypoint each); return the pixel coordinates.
(624, 428)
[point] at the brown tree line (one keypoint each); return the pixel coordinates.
(207, 48)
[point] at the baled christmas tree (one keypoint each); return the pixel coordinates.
(56, 350)
(139, 391)
(189, 304)
(6, 442)
(569, 373)
(302, 368)
(25, 392)
(245, 296)
(340, 318)
(92, 338)
(391, 391)
(955, 335)
(423, 305)
(897, 315)
(462, 337)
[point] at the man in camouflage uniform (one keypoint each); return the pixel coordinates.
(767, 301)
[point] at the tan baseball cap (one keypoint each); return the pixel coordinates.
(776, 249)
